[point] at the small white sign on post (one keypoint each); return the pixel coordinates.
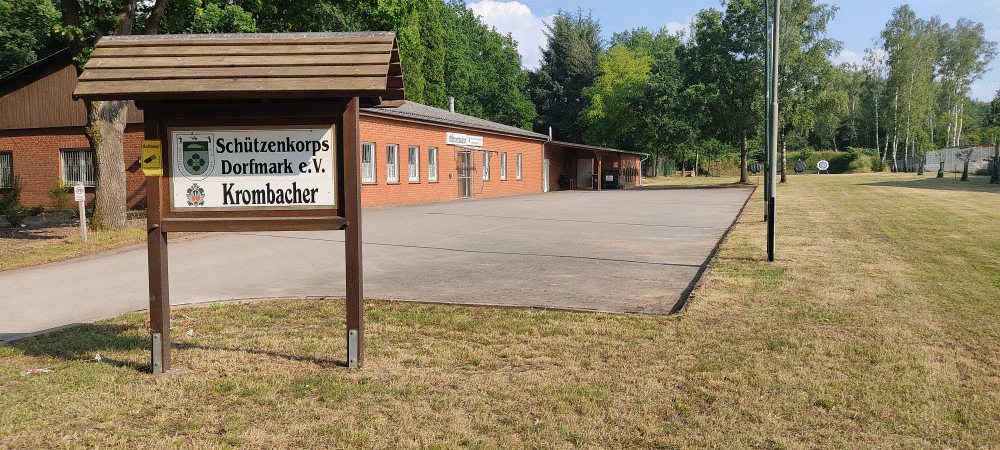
(80, 195)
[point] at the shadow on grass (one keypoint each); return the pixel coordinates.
(26, 234)
(322, 362)
(975, 184)
(83, 342)
(664, 187)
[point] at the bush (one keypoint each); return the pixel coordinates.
(59, 194)
(838, 161)
(856, 152)
(10, 204)
(878, 165)
(861, 164)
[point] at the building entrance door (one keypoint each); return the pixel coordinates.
(464, 174)
(585, 173)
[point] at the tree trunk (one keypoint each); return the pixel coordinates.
(995, 179)
(106, 132)
(784, 162)
(895, 131)
(744, 176)
(940, 173)
(156, 16)
(961, 120)
(877, 146)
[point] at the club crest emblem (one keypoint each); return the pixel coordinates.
(196, 158)
(196, 195)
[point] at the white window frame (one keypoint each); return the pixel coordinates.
(413, 163)
(6, 169)
(391, 163)
(78, 166)
(486, 166)
(503, 166)
(518, 166)
(432, 164)
(368, 173)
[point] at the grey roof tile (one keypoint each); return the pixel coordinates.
(418, 111)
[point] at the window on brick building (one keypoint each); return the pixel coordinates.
(6, 170)
(367, 162)
(78, 166)
(432, 163)
(413, 163)
(392, 163)
(486, 166)
(503, 166)
(518, 166)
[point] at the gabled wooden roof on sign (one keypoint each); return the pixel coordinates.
(237, 66)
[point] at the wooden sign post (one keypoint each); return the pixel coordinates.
(265, 139)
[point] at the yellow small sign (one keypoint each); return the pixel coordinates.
(152, 158)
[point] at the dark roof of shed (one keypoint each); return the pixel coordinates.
(594, 147)
(235, 66)
(421, 112)
(35, 71)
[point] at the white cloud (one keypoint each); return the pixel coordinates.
(517, 19)
(847, 56)
(674, 27)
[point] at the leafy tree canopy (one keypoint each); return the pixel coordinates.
(570, 63)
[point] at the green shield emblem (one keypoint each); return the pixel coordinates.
(195, 157)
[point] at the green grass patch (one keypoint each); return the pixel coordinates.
(877, 326)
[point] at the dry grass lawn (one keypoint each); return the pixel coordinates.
(59, 242)
(878, 327)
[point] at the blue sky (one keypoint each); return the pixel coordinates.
(856, 24)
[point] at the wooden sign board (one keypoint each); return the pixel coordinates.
(246, 146)
(249, 169)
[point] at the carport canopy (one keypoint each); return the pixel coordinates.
(599, 153)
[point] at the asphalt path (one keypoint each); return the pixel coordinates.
(613, 251)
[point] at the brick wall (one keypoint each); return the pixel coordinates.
(36, 158)
(382, 131)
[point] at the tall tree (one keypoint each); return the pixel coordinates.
(726, 67)
(964, 57)
(570, 63)
(912, 46)
(664, 117)
(482, 70)
(610, 119)
(26, 33)
(875, 66)
(83, 23)
(804, 66)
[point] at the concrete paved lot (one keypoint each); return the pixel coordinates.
(616, 251)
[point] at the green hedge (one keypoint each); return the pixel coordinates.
(840, 162)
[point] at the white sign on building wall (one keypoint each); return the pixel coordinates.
(253, 169)
(464, 139)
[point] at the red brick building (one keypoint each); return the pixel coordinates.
(411, 153)
(42, 136)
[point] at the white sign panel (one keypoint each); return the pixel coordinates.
(464, 139)
(79, 193)
(253, 169)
